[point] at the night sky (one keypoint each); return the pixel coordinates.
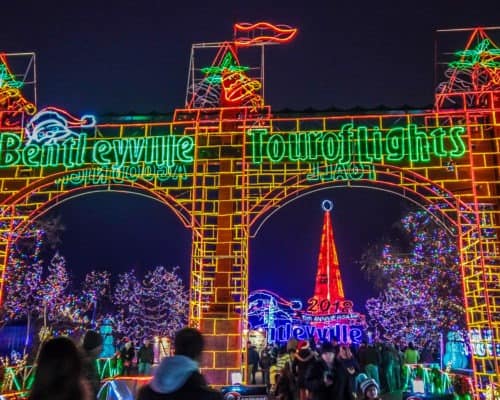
(122, 56)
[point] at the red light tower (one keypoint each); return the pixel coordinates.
(328, 280)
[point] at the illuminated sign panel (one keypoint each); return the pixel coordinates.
(51, 141)
(283, 319)
(161, 151)
(349, 145)
(358, 144)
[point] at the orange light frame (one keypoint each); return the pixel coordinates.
(223, 197)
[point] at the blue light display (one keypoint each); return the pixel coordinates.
(283, 319)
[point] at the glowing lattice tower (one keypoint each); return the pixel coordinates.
(328, 281)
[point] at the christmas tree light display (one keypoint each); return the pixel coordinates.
(96, 288)
(421, 295)
(157, 306)
(53, 289)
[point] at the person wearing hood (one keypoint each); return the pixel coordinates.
(301, 362)
(178, 377)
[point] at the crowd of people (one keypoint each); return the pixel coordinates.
(302, 370)
(128, 360)
(66, 372)
(298, 371)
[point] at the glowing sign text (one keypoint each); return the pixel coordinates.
(357, 144)
(343, 332)
(161, 151)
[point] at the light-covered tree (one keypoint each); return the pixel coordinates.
(53, 289)
(23, 279)
(157, 306)
(165, 302)
(96, 290)
(127, 300)
(420, 287)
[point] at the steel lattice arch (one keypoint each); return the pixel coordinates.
(225, 163)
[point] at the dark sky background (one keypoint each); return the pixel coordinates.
(121, 56)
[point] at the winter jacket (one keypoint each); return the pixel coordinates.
(178, 378)
(411, 356)
(127, 355)
(303, 359)
(146, 354)
(315, 380)
(345, 371)
(91, 374)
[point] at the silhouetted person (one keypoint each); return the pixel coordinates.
(253, 362)
(127, 354)
(178, 377)
(59, 373)
(145, 358)
(91, 348)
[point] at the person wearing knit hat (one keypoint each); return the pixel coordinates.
(303, 344)
(91, 348)
(370, 389)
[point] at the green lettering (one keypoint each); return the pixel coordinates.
(120, 153)
(257, 139)
(185, 146)
(314, 144)
(80, 150)
(136, 148)
(459, 147)
(377, 144)
(151, 150)
(346, 135)
(100, 152)
(168, 150)
(68, 152)
(30, 155)
(362, 145)
(418, 144)
(276, 148)
(50, 155)
(297, 144)
(330, 146)
(395, 144)
(438, 134)
(9, 149)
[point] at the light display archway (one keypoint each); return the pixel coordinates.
(225, 162)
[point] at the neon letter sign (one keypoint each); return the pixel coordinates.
(357, 144)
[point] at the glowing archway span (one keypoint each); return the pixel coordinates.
(407, 184)
(141, 187)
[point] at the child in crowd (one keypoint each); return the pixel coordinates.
(370, 389)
